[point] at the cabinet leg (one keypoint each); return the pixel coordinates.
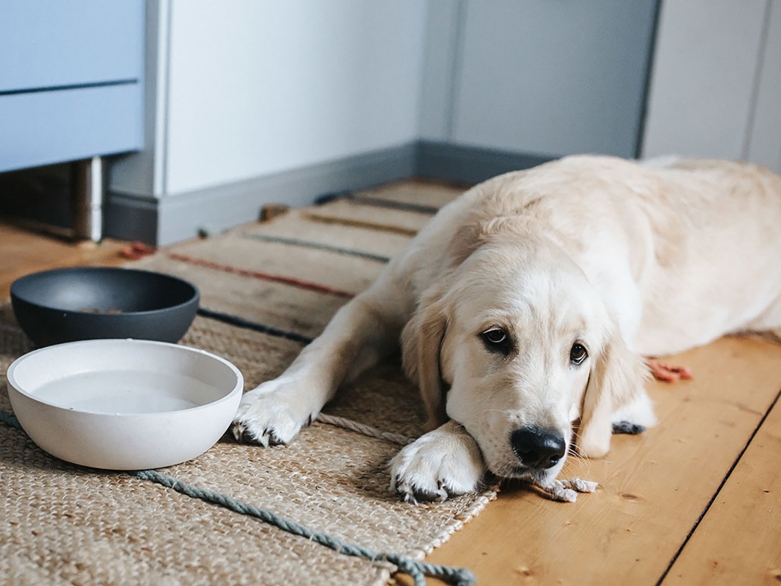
(87, 199)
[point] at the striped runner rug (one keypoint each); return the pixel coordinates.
(267, 289)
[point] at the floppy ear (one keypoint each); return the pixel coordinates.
(421, 342)
(617, 378)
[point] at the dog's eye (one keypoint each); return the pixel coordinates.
(578, 353)
(495, 336)
(496, 340)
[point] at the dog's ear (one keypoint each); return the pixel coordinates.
(617, 378)
(421, 343)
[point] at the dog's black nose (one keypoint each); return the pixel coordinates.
(538, 448)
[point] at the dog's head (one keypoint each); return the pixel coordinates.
(516, 345)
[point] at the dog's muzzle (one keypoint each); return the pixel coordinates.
(538, 448)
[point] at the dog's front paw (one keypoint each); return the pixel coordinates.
(627, 428)
(270, 415)
(443, 463)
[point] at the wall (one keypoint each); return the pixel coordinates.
(764, 141)
(254, 101)
(715, 88)
(537, 76)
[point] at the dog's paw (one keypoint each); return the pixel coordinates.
(438, 465)
(628, 428)
(269, 415)
(635, 417)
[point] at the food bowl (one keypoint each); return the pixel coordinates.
(124, 404)
(87, 303)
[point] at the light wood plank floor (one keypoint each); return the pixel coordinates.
(695, 500)
(23, 252)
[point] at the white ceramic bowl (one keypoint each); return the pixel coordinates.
(124, 404)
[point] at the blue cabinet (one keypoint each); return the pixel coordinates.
(71, 80)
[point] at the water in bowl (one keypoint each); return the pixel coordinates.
(126, 392)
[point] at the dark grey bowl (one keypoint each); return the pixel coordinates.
(87, 303)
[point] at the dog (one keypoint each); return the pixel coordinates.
(528, 310)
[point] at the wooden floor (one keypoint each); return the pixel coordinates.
(695, 500)
(23, 251)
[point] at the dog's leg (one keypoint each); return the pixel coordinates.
(361, 332)
(442, 463)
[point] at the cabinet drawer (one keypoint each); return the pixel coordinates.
(49, 127)
(49, 43)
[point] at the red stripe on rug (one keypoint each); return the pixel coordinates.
(261, 275)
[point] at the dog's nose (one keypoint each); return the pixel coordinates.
(538, 448)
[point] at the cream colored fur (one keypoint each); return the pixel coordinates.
(623, 258)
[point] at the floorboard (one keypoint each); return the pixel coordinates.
(739, 538)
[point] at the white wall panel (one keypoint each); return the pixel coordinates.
(143, 173)
(765, 141)
(553, 77)
(702, 87)
(443, 34)
(260, 86)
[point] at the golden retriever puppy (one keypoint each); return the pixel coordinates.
(526, 306)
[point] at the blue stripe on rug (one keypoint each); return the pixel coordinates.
(377, 202)
(396, 205)
(240, 322)
(316, 246)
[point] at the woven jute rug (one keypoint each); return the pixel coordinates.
(266, 289)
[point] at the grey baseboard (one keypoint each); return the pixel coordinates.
(128, 217)
(178, 217)
(469, 164)
(181, 216)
